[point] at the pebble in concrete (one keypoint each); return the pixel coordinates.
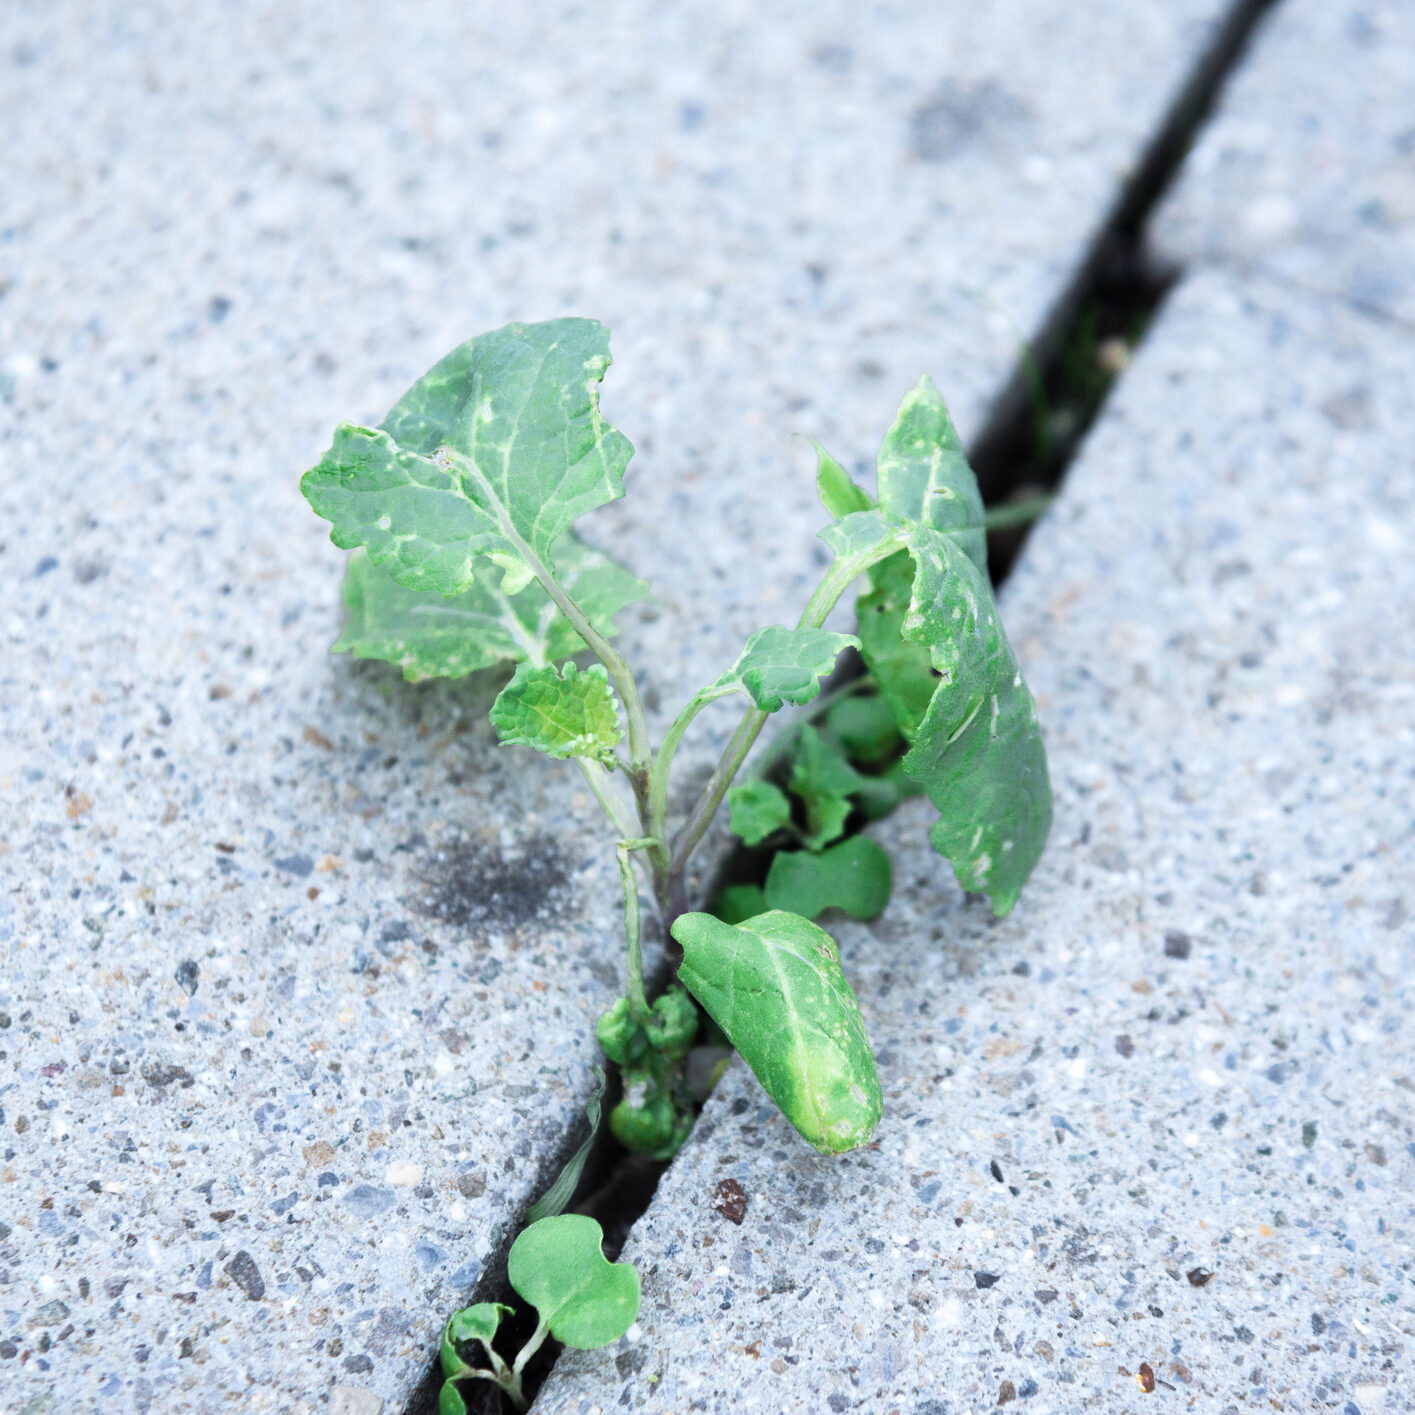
(1151, 1133)
(277, 928)
(1308, 170)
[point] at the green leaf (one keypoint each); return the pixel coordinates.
(902, 668)
(563, 713)
(756, 808)
(496, 451)
(824, 781)
(978, 751)
(854, 876)
(783, 666)
(429, 635)
(775, 986)
(478, 1323)
(839, 495)
(449, 1400)
(924, 476)
(740, 901)
(858, 534)
(557, 1198)
(558, 1266)
(866, 728)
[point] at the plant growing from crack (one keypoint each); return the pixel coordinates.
(459, 506)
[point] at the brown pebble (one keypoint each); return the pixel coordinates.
(730, 1200)
(1199, 1277)
(1146, 1379)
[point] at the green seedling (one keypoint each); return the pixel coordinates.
(581, 1299)
(460, 506)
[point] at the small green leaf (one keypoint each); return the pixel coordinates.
(495, 451)
(566, 713)
(429, 635)
(557, 1198)
(478, 1323)
(924, 476)
(558, 1266)
(866, 728)
(978, 752)
(824, 781)
(449, 1400)
(783, 666)
(775, 986)
(740, 901)
(854, 876)
(858, 534)
(839, 495)
(901, 668)
(756, 808)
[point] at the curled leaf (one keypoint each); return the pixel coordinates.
(774, 985)
(783, 666)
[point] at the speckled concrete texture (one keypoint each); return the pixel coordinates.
(1307, 172)
(299, 968)
(1154, 1130)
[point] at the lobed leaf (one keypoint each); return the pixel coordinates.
(558, 1265)
(756, 809)
(569, 713)
(429, 635)
(494, 452)
(824, 780)
(854, 875)
(775, 986)
(783, 666)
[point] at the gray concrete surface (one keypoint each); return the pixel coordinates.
(1307, 172)
(297, 1017)
(1154, 1128)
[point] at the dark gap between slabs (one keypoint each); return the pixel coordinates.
(1033, 433)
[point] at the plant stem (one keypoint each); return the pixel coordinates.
(598, 780)
(634, 958)
(513, 1386)
(837, 579)
(1016, 513)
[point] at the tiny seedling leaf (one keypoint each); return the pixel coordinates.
(450, 1401)
(839, 495)
(775, 986)
(783, 666)
(478, 1323)
(866, 728)
(854, 876)
(569, 713)
(755, 809)
(824, 780)
(495, 451)
(740, 901)
(429, 635)
(557, 1198)
(559, 1267)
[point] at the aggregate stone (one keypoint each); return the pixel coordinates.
(1307, 172)
(298, 965)
(1152, 1132)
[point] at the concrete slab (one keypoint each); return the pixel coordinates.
(1308, 170)
(1154, 1130)
(298, 1012)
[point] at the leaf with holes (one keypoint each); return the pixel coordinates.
(978, 751)
(774, 985)
(854, 875)
(566, 713)
(494, 452)
(559, 1267)
(429, 635)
